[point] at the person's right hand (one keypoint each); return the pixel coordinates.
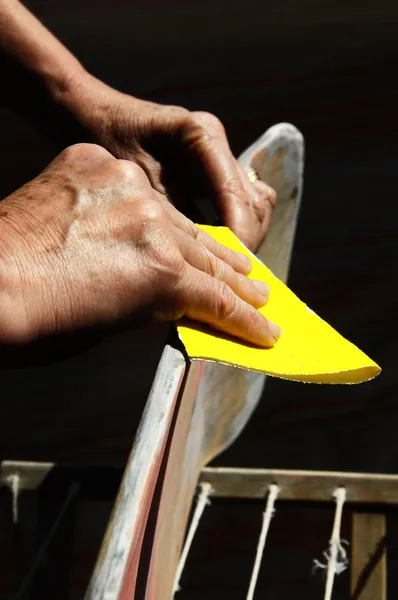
(90, 242)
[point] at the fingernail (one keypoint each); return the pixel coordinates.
(262, 287)
(276, 331)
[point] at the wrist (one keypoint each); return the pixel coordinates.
(64, 86)
(82, 97)
(91, 101)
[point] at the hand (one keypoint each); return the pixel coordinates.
(184, 155)
(90, 242)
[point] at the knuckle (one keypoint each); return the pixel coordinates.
(79, 152)
(266, 193)
(128, 170)
(227, 301)
(177, 112)
(163, 268)
(145, 226)
(209, 121)
(175, 267)
(150, 212)
(233, 186)
(223, 252)
(193, 230)
(244, 284)
(253, 320)
(213, 266)
(157, 246)
(169, 269)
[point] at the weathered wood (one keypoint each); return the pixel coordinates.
(30, 474)
(368, 557)
(116, 569)
(278, 158)
(218, 400)
(311, 486)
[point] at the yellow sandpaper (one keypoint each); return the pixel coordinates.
(308, 350)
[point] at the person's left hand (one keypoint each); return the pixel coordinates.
(185, 155)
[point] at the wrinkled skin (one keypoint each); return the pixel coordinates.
(184, 155)
(91, 242)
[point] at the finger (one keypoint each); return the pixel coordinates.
(267, 206)
(263, 202)
(197, 255)
(152, 169)
(264, 194)
(238, 261)
(255, 200)
(207, 139)
(210, 301)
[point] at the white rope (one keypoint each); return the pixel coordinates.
(336, 556)
(273, 492)
(13, 483)
(203, 501)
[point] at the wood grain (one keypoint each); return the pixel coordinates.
(116, 569)
(305, 486)
(368, 557)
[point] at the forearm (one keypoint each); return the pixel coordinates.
(26, 39)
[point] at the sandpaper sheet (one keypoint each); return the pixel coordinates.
(308, 350)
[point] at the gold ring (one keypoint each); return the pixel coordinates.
(252, 175)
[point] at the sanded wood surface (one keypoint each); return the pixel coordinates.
(116, 570)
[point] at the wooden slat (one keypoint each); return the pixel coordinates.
(31, 474)
(369, 557)
(117, 565)
(302, 485)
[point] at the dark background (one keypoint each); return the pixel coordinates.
(330, 68)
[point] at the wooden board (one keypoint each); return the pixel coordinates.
(116, 570)
(217, 400)
(368, 557)
(306, 486)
